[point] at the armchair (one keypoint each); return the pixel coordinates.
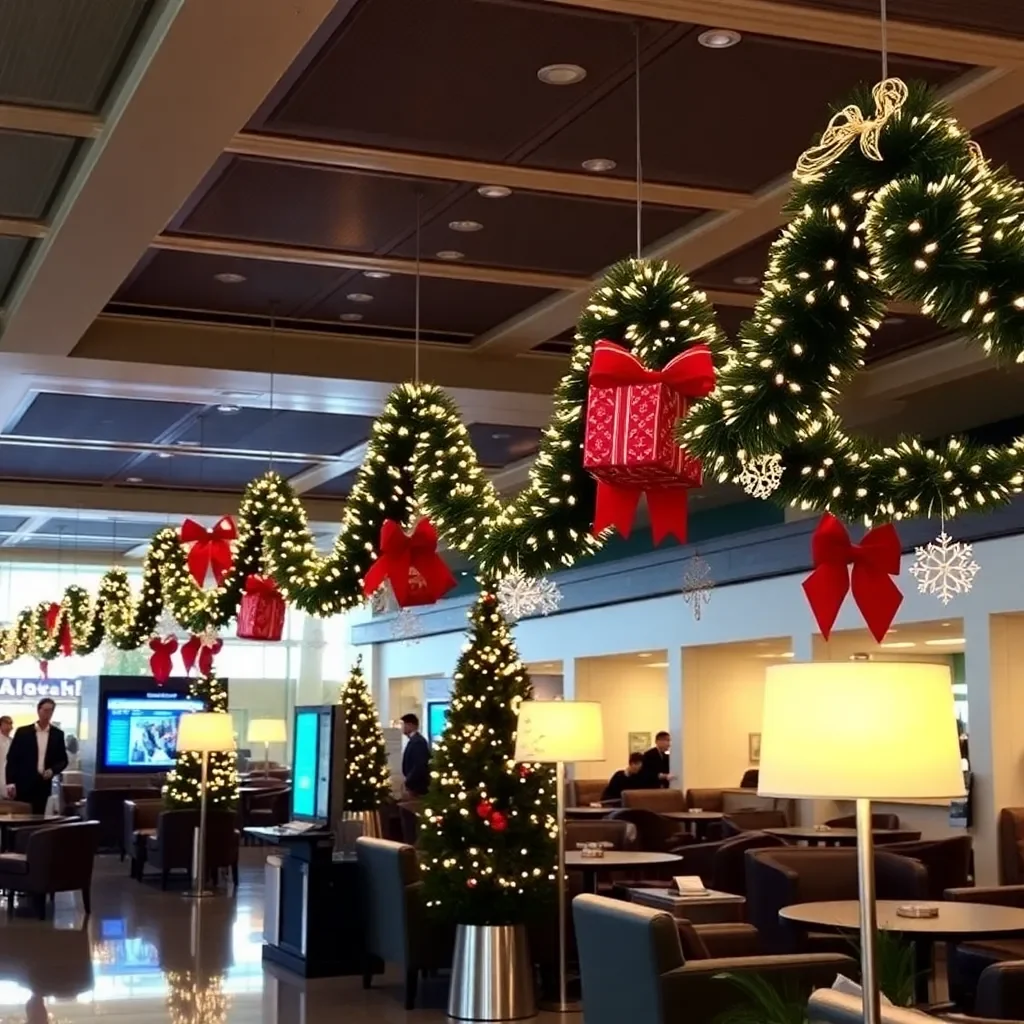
(141, 818)
(660, 800)
(632, 967)
(947, 861)
(877, 821)
(170, 848)
(654, 831)
(106, 807)
(737, 822)
(1011, 846)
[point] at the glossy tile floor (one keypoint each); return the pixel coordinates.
(158, 958)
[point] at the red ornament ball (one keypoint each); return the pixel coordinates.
(470, 883)
(499, 822)
(524, 770)
(484, 809)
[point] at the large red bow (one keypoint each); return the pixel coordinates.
(410, 562)
(211, 548)
(160, 661)
(53, 615)
(875, 560)
(690, 374)
(196, 652)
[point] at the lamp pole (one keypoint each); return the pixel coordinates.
(199, 860)
(868, 914)
(564, 1006)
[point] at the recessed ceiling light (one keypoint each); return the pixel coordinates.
(165, 455)
(350, 317)
(719, 38)
(359, 297)
(561, 74)
(898, 644)
(229, 410)
(376, 275)
(948, 641)
(450, 254)
(745, 279)
(227, 278)
(599, 164)
(465, 225)
(500, 436)
(494, 191)
(133, 479)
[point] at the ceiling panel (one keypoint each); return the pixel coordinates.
(699, 126)
(1005, 17)
(31, 170)
(65, 53)
(459, 77)
(211, 474)
(1003, 141)
(281, 430)
(749, 262)
(101, 529)
(35, 463)
(12, 252)
(336, 488)
(98, 419)
(8, 524)
(499, 445)
(67, 545)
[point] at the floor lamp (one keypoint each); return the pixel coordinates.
(862, 731)
(205, 733)
(560, 732)
(267, 731)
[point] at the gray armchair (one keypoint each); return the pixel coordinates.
(398, 930)
(632, 968)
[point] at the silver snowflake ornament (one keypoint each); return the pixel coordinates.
(944, 568)
(166, 625)
(407, 626)
(520, 595)
(697, 585)
(761, 476)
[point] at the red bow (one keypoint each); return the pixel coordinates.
(196, 652)
(690, 374)
(874, 561)
(416, 571)
(255, 584)
(211, 548)
(53, 614)
(160, 662)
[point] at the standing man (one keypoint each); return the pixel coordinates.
(6, 725)
(654, 771)
(37, 754)
(415, 758)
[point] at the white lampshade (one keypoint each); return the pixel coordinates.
(559, 730)
(267, 730)
(853, 730)
(206, 732)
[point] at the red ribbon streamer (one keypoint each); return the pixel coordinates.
(196, 652)
(416, 571)
(211, 548)
(160, 662)
(53, 615)
(874, 561)
(690, 374)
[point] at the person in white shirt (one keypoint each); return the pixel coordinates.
(6, 727)
(37, 754)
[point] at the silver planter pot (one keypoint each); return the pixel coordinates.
(492, 978)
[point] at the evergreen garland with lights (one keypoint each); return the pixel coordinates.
(367, 776)
(183, 785)
(488, 828)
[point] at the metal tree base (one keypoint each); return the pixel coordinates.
(492, 978)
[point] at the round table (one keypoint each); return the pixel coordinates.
(957, 922)
(580, 813)
(697, 821)
(615, 860)
(829, 836)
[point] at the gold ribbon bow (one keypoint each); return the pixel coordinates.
(850, 124)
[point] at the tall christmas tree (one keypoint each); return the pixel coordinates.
(367, 777)
(488, 829)
(182, 788)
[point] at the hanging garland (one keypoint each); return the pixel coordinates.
(899, 205)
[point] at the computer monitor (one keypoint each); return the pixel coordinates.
(437, 719)
(317, 763)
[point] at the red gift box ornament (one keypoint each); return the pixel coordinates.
(261, 612)
(411, 564)
(210, 550)
(53, 615)
(629, 446)
(160, 660)
(874, 562)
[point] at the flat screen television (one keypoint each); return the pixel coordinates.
(140, 729)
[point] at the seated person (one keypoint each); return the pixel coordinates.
(628, 779)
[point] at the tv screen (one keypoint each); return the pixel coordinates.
(437, 719)
(305, 764)
(141, 730)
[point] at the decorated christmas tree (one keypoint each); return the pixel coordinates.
(488, 829)
(182, 788)
(367, 778)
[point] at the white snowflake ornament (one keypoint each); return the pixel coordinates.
(166, 625)
(697, 585)
(520, 595)
(407, 626)
(761, 476)
(944, 568)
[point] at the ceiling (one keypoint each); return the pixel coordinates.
(212, 217)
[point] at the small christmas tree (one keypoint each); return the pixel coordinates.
(488, 827)
(182, 788)
(367, 777)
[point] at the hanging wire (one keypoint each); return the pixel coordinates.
(639, 161)
(885, 43)
(273, 363)
(416, 334)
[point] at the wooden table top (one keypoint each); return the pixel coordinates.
(27, 819)
(955, 918)
(589, 812)
(693, 815)
(827, 835)
(620, 859)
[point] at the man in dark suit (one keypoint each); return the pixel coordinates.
(415, 758)
(37, 753)
(654, 773)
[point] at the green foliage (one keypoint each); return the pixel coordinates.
(474, 870)
(367, 777)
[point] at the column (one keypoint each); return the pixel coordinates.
(674, 677)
